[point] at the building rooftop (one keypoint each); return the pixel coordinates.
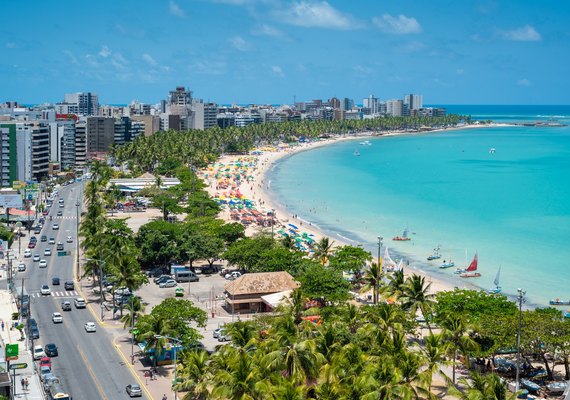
(261, 283)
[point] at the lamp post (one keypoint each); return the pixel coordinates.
(272, 221)
(133, 330)
(77, 205)
(520, 298)
(380, 238)
(178, 341)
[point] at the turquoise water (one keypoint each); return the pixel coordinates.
(513, 206)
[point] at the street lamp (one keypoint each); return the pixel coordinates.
(77, 205)
(101, 263)
(380, 238)
(520, 298)
(178, 341)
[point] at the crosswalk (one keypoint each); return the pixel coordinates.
(65, 217)
(57, 294)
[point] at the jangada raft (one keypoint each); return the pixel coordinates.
(471, 271)
(403, 238)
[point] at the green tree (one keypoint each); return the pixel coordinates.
(372, 279)
(322, 250)
(324, 284)
(416, 296)
(350, 258)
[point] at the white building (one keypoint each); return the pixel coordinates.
(87, 103)
(413, 101)
(394, 107)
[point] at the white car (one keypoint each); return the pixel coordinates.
(90, 327)
(36, 257)
(51, 240)
(69, 239)
(167, 284)
(47, 252)
(43, 263)
(233, 275)
(27, 253)
(55, 227)
(45, 290)
(38, 352)
(56, 318)
(21, 267)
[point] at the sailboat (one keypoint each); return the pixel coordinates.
(435, 254)
(356, 152)
(471, 271)
(403, 238)
(497, 288)
(389, 264)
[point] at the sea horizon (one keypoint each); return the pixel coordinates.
(490, 203)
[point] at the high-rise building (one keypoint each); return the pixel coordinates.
(87, 103)
(413, 101)
(32, 150)
(347, 104)
(394, 107)
(100, 134)
(151, 123)
(8, 158)
(62, 142)
(334, 103)
(371, 103)
(80, 143)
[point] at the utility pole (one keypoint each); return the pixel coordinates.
(380, 238)
(520, 299)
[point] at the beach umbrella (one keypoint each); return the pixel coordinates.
(293, 226)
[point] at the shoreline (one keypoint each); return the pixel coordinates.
(258, 188)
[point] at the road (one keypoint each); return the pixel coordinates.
(88, 364)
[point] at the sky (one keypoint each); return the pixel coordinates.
(276, 51)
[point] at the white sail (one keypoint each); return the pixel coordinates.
(497, 277)
(388, 262)
(400, 266)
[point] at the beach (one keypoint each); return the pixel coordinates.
(258, 189)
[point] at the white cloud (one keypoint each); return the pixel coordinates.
(240, 44)
(523, 82)
(400, 25)
(149, 60)
(319, 14)
(276, 69)
(362, 70)
(267, 30)
(209, 67)
(105, 52)
(175, 9)
(526, 33)
(119, 62)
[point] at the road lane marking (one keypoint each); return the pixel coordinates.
(92, 373)
(133, 372)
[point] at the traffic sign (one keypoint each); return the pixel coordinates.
(11, 351)
(30, 197)
(18, 366)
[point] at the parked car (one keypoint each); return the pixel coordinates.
(45, 361)
(44, 371)
(161, 279)
(155, 273)
(232, 275)
(49, 379)
(56, 318)
(216, 332)
(168, 283)
(134, 390)
(35, 332)
(223, 336)
(38, 352)
(66, 306)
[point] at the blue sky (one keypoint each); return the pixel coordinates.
(268, 51)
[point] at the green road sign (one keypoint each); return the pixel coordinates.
(12, 350)
(18, 366)
(62, 253)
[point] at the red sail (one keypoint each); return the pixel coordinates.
(473, 265)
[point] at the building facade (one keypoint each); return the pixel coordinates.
(87, 103)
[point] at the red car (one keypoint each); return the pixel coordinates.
(31, 245)
(45, 362)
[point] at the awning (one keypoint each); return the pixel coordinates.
(274, 299)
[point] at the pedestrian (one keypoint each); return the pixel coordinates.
(27, 383)
(151, 374)
(2, 325)
(23, 382)
(164, 397)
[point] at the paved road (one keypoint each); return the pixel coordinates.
(88, 364)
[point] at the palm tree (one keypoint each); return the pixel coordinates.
(322, 250)
(372, 279)
(416, 296)
(435, 351)
(136, 308)
(396, 284)
(484, 387)
(243, 334)
(239, 378)
(455, 332)
(194, 375)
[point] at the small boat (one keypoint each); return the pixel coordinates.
(557, 387)
(403, 238)
(471, 271)
(530, 385)
(435, 255)
(497, 288)
(558, 302)
(492, 150)
(356, 153)
(366, 143)
(447, 264)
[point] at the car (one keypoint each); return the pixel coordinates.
(223, 336)
(42, 220)
(66, 306)
(44, 238)
(168, 284)
(32, 245)
(162, 278)
(90, 327)
(155, 273)
(37, 230)
(68, 285)
(59, 213)
(61, 205)
(33, 239)
(36, 257)
(44, 371)
(55, 227)
(233, 275)
(216, 333)
(56, 318)
(38, 352)
(79, 303)
(134, 390)
(35, 332)
(122, 291)
(49, 379)
(33, 323)
(69, 239)
(43, 263)
(51, 240)
(21, 267)
(59, 246)
(45, 290)
(45, 361)
(55, 281)
(27, 253)
(47, 252)
(51, 350)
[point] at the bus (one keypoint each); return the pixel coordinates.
(56, 392)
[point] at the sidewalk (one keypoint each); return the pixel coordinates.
(11, 336)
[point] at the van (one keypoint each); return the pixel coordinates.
(185, 276)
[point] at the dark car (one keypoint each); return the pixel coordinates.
(155, 273)
(51, 350)
(32, 245)
(68, 285)
(35, 332)
(44, 238)
(59, 246)
(33, 323)
(55, 280)
(37, 230)
(33, 239)
(162, 278)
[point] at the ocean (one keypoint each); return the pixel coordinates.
(511, 206)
